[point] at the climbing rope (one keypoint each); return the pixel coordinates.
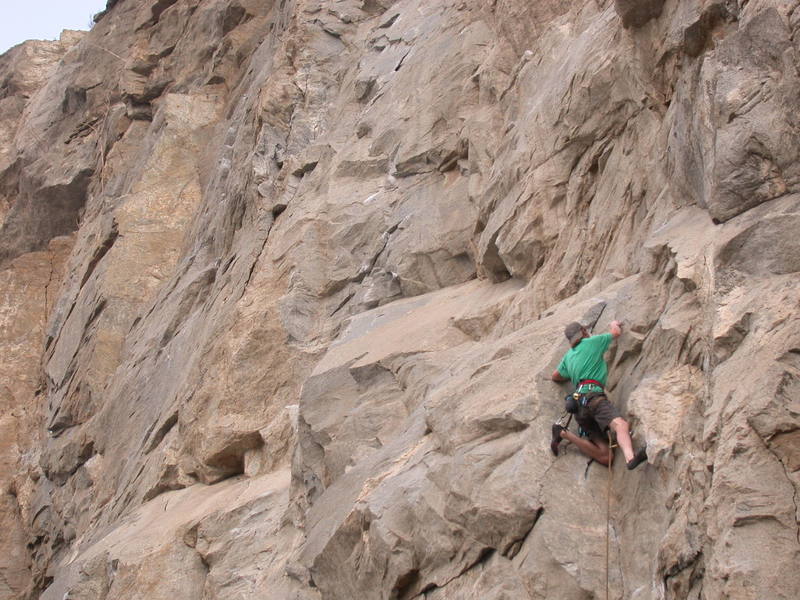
(608, 505)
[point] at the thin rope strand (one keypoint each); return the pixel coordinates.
(608, 507)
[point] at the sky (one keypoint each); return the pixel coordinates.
(22, 20)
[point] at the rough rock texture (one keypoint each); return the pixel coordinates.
(283, 282)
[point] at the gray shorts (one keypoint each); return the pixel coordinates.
(595, 417)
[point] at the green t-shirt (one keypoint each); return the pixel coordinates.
(585, 361)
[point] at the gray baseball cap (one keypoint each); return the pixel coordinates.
(573, 332)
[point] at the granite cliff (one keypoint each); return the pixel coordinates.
(282, 282)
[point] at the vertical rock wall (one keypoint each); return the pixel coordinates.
(283, 282)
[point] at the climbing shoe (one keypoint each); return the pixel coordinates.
(557, 429)
(637, 459)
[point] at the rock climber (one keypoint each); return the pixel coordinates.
(584, 365)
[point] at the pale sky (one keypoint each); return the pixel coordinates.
(22, 20)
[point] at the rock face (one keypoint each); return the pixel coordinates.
(283, 283)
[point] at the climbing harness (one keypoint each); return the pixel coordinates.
(586, 391)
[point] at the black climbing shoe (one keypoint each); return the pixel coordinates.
(637, 459)
(557, 429)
